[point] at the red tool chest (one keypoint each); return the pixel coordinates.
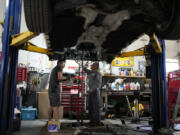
(70, 99)
(173, 89)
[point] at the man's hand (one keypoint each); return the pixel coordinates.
(86, 65)
(90, 91)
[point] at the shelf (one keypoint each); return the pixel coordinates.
(127, 92)
(110, 75)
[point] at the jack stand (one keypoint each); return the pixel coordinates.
(82, 87)
(136, 111)
(81, 94)
(135, 118)
(129, 105)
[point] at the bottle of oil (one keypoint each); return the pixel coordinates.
(132, 73)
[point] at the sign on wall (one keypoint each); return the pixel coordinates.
(123, 62)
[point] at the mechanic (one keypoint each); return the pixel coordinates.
(94, 83)
(56, 78)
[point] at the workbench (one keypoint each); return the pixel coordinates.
(126, 92)
(105, 94)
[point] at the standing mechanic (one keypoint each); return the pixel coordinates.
(54, 89)
(94, 83)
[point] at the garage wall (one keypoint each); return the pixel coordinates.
(40, 61)
(178, 53)
(143, 40)
(172, 49)
(2, 14)
(171, 65)
(179, 62)
(172, 55)
(172, 52)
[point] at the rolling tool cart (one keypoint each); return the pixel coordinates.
(173, 94)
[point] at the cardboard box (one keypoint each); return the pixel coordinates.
(43, 103)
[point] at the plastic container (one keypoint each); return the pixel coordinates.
(138, 86)
(131, 85)
(121, 87)
(132, 73)
(127, 86)
(28, 113)
(124, 86)
(113, 86)
(134, 86)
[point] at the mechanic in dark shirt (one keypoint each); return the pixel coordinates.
(54, 89)
(94, 82)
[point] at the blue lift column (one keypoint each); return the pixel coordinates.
(159, 90)
(9, 65)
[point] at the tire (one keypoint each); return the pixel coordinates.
(38, 15)
(171, 29)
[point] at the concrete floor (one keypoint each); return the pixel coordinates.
(38, 127)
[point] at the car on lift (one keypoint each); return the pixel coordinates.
(99, 29)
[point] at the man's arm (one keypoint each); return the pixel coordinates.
(100, 79)
(97, 81)
(87, 70)
(61, 77)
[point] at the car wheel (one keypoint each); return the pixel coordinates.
(38, 15)
(170, 28)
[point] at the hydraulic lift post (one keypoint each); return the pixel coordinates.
(159, 90)
(156, 49)
(9, 65)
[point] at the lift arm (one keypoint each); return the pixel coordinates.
(146, 50)
(23, 39)
(33, 48)
(155, 43)
(2, 23)
(139, 52)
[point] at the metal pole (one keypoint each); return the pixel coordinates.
(164, 86)
(82, 87)
(129, 105)
(159, 91)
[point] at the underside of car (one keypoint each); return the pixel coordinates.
(99, 29)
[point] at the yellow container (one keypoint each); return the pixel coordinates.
(132, 73)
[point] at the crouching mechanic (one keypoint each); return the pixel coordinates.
(54, 89)
(94, 83)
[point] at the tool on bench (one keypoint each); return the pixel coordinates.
(129, 105)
